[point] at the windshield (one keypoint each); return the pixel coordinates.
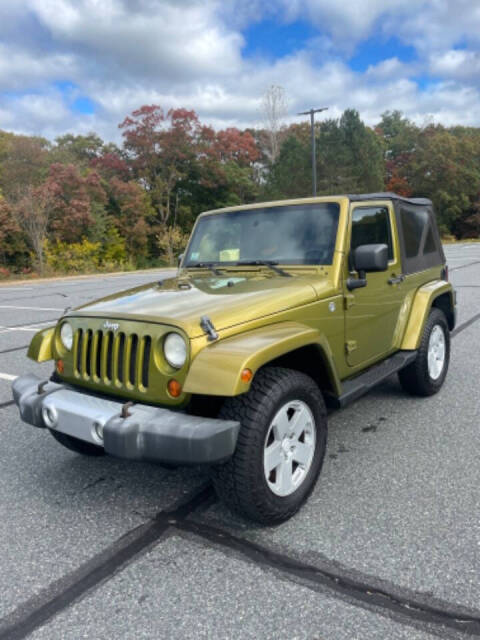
(296, 234)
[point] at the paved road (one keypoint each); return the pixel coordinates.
(387, 547)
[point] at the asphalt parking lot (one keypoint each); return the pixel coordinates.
(388, 546)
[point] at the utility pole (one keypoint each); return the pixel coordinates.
(312, 113)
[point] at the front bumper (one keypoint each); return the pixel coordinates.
(146, 433)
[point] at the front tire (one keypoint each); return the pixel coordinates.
(76, 445)
(280, 447)
(426, 375)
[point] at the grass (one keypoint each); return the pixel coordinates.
(453, 240)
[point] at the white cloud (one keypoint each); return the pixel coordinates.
(21, 69)
(170, 40)
(46, 111)
(456, 63)
(125, 53)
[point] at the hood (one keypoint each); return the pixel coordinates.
(227, 300)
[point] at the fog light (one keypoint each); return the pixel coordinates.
(174, 388)
(98, 427)
(50, 416)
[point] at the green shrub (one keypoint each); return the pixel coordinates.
(75, 257)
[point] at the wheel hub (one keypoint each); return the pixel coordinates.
(289, 448)
(436, 352)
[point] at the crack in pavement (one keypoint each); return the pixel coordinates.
(56, 597)
(463, 266)
(465, 325)
(409, 606)
(31, 324)
(25, 346)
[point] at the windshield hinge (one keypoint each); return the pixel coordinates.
(350, 346)
(207, 326)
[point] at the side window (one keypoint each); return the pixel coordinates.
(371, 225)
(413, 225)
(430, 244)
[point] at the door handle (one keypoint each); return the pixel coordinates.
(396, 279)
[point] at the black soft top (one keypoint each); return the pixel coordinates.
(420, 242)
(388, 195)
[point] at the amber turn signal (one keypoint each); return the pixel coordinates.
(60, 367)
(246, 375)
(174, 388)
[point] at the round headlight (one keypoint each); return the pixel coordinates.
(175, 349)
(66, 335)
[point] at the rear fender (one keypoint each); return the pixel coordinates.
(423, 301)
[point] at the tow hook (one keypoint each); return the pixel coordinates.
(41, 387)
(125, 413)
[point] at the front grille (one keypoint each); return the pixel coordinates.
(109, 358)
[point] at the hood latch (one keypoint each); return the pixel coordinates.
(207, 326)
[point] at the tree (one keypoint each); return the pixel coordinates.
(399, 139)
(161, 149)
(274, 109)
(78, 201)
(363, 159)
(12, 246)
(131, 215)
(445, 168)
(349, 159)
(171, 241)
(225, 169)
(290, 176)
(33, 211)
(185, 166)
(79, 150)
(24, 160)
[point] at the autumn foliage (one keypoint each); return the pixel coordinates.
(80, 204)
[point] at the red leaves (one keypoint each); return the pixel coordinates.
(111, 164)
(399, 184)
(73, 198)
(237, 146)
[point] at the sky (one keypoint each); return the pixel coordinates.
(83, 65)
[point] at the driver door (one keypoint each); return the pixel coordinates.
(372, 312)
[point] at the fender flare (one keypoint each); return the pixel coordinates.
(41, 346)
(216, 370)
(422, 303)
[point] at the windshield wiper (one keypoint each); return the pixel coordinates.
(264, 263)
(205, 265)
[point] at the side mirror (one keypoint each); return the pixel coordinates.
(368, 258)
(371, 257)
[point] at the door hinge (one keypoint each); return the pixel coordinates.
(348, 300)
(350, 346)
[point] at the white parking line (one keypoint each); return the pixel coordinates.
(7, 376)
(34, 327)
(11, 306)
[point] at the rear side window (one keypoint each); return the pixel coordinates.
(413, 226)
(430, 245)
(371, 225)
(421, 246)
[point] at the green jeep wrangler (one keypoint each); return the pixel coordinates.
(278, 310)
